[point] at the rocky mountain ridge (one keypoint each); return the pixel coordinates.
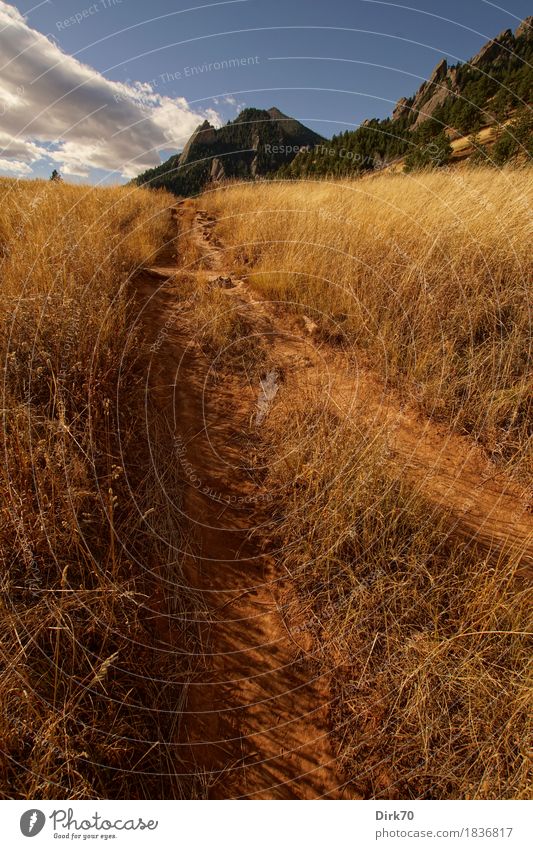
(446, 80)
(255, 144)
(456, 101)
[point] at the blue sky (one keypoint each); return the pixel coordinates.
(103, 89)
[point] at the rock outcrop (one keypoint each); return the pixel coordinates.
(403, 106)
(430, 95)
(217, 172)
(444, 80)
(203, 135)
(496, 49)
(525, 28)
(256, 143)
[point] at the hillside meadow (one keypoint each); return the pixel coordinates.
(422, 280)
(427, 277)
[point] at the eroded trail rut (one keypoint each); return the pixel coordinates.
(256, 719)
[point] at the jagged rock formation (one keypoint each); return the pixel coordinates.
(217, 172)
(498, 53)
(431, 93)
(525, 29)
(402, 107)
(495, 86)
(203, 135)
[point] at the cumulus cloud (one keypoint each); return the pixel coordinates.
(53, 106)
(11, 166)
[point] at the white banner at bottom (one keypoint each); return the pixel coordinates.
(252, 825)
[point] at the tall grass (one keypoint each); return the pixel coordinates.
(428, 276)
(426, 643)
(426, 640)
(90, 685)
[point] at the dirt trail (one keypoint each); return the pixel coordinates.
(256, 721)
(451, 471)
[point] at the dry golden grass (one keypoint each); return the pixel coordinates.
(82, 715)
(426, 639)
(427, 644)
(427, 275)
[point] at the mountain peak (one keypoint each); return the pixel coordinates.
(204, 134)
(525, 28)
(255, 143)
(275, 113)
(495, 48)
(439, 72)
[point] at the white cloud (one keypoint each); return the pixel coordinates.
(18, 149)
(229, 100)
(10, 166)
(12, 12)
(53, 106)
